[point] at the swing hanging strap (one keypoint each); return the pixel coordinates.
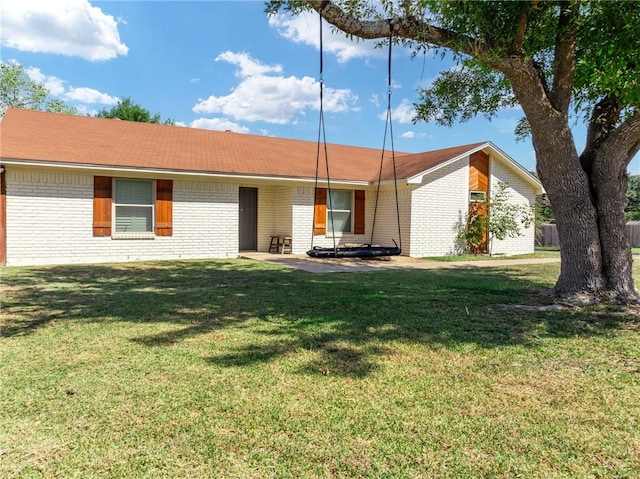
(322, 141)
(388, 128)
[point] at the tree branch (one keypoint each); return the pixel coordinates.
(565, 58)
(611, 144)
(627, 136)
(517, 45)
(603, 119)
(605, 115)
(407, 27)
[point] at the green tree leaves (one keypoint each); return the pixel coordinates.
(18, 90)
(128, 110)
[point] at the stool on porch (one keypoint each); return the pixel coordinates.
(274, 246)
(280, 244)
(286, 245)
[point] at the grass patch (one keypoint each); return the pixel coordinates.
(557, 248)
(485, 257)
(241, 369)
(548, 248)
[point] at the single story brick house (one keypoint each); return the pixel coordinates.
(78, 189)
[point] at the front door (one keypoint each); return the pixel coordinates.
(248, 203)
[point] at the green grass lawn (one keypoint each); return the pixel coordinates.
(557, 249)
(236, 369)
(486, 257)
(548, 248)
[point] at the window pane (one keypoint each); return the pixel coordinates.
(134, 192)
(340, 200)
(134, 219)
(477, 196)
(341, 222)
(340, 206)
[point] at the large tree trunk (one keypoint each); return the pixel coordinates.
(610, 186)
(567, 186)
(589, 211)
(587, 198)
(605, 158)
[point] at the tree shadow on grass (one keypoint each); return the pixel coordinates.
(344, 319)
(193, 294)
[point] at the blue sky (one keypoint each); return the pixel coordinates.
(225, 65)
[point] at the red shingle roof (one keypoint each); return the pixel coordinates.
(67, 139)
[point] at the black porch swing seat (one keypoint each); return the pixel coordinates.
(362, 251)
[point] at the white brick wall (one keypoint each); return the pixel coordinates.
(386, 221)
(50, 221)
(520, 193)
(438, 207)
(274, 213)
(282, 212)
(302, 218)
(50, 218)
(266, 202)
(302, 225)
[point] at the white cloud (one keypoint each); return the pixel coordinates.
(403, 113)
(248, 66)
(90, 95)
(218, 124)
(57, 87)
(274, 99)
(305, 29)
(84, 111)
(67, 27)
(52, 83)
(408, 134)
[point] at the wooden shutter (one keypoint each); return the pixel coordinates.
(358, 215)
(479, 172)
(320, 212)
(164, 207)
(102, 186)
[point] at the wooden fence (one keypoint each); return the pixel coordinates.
(548, 235)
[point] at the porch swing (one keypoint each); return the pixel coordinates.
(368, 250)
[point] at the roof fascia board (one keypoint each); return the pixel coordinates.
(75, 166)
(531, 179)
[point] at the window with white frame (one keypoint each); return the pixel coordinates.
(477, 196)
(133, 206)
(340, 206)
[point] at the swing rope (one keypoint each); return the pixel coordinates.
(364, 251)
(388, 128)
(322, 140)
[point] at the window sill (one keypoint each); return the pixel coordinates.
(133, 236)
